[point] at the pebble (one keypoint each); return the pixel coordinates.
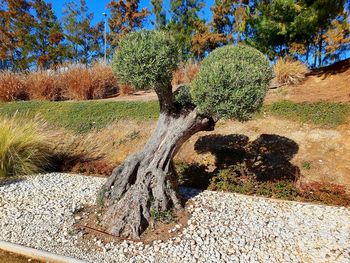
(39, 212)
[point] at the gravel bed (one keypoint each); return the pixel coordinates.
(39, 212)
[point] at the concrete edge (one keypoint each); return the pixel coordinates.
(37, 254)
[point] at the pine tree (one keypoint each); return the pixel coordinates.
(184, 20)
(126, 16)
(16, 33)
(159, 12)
(48, 36)
(284, 27)
(83, 38)
(230, 18)
(205, 40)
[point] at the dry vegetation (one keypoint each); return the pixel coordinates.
(12, 86)
(23, 148)
(289, 72)
(77, 83)
(185, 73)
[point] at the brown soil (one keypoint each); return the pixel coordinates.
(158, 230)
(327, 84)
(8, 257)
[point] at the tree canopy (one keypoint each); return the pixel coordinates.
(232, 82)
(146, 59)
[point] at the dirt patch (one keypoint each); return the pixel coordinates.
(91, 232)
(329, 84)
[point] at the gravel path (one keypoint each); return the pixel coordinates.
(38, 212)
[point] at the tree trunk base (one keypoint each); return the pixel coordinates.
(146, 183)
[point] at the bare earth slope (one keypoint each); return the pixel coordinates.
(328, 84)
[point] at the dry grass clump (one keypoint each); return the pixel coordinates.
(23, 147)
(289, 72)
(77, 82)
(185, 72)
(123, 138)
(69, 149)
(43, 85)
(82, 83)
(12, 86)
(104, 79)
(126, 89)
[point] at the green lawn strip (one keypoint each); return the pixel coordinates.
(323, 114)
(82, 116)
(86, 115)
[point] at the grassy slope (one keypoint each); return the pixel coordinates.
(323, 114)
(84, 116)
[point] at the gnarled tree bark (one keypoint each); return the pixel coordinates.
(147, 180)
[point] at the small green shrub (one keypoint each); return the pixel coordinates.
(193, 175)
(166, 216)
(232, 82)
(146, 59)
(23, 149)
(306, 165)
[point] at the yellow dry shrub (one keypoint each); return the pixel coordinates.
(82, 83)
(23, 146)
(289, 72)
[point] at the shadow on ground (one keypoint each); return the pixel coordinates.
(268, 158)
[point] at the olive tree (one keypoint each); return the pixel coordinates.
(232, 83)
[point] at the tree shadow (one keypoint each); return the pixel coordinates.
(335, 68)
(268, 157)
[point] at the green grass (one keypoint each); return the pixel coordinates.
(323, 114)
(82, 116)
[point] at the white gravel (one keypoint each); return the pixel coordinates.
(224, 227)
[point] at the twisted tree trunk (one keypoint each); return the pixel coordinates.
(146, 181)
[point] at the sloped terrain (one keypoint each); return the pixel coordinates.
(331, 83)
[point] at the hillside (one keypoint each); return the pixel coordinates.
(330, 83)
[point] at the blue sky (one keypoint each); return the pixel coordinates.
(99, 6)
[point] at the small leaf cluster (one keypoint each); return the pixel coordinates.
(146, 59)
(182, 96)
(232, 82)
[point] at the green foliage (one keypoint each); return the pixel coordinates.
(306, 165)
(287, 27)
(166, 216)
(159, 13)
(232, 82)
(146, 59)
(23, 149)
(183, 96)
(184, 16)
(82, 116)
(324, 114)
(85, 40)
